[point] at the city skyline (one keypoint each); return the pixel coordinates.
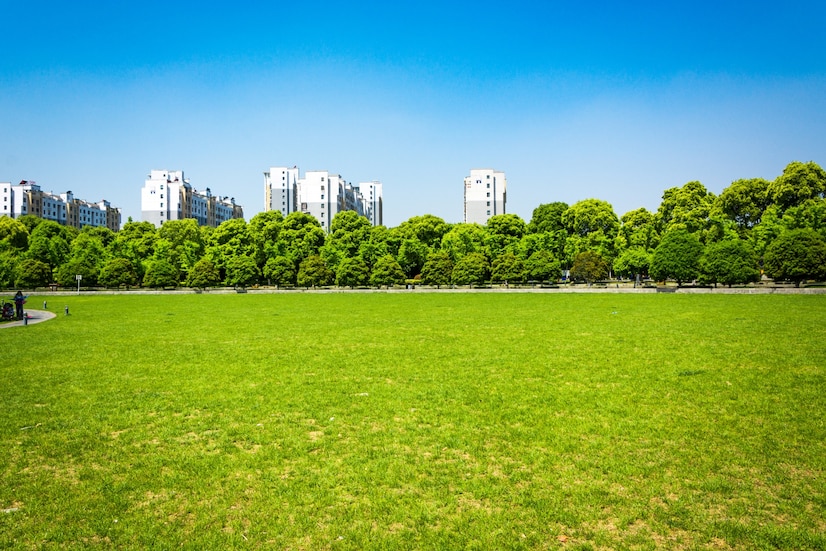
(572, 102)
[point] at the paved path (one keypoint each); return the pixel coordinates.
(35, 316)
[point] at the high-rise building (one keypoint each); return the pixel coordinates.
(167, 195)
(485, 195)
(320, 194)
(27, 198)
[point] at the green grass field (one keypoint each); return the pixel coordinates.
(409, 421)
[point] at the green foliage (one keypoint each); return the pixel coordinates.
(182, 242)
(13, 234)
(203, 274)
(796, 255)
(470, 269)
(352, 272)
(508, 268)
(463, 239)
(589, 216)
(589, 266)
(280, 271)
(8, 268)
(411, 256)
(387, 272)
(547, 218)
(427, 229)
(438, 270)
(301, 237)
(118, 272)
(542, 266)
(31, 273)
(798, 183)
(686, 207)
(161, 273)
(677, 257)
(638, 229)
(729, 262)
(744, 201)
(632, 262)
(241, 271)
(313, 272)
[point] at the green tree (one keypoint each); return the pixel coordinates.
(313, 272)
(387, 272)
(301, 237)
(242, 270)
(160, 273)
(49, 243)
(8, 267)
(677, 257)
(589, 266)
(508, 268)
(547, 218)
(13, 234)
(411, 256)
(264, 229)
(798, 183)
(438, 269)
(280, 271)
(471, 268)
(118, 272)
(796, 255)
(729, 262)
(463, 239)
(743, 202)
(632, 262)
(589, 216)
(32, 273)
(183, 243)
(542, 266)
(638, 229)
(427, 229)
(203, 274)
(687, 207)
(352, 272)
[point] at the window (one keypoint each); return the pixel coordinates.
(322, 196)
(488, 213)
(488, 185)
(161, 195)
(488, 203)
(488, 194)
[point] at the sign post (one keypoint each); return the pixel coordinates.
(78, 277)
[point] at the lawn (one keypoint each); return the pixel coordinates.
(419, 420)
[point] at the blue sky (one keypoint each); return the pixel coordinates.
(573, 100)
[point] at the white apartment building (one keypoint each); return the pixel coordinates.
(320, 194)
(27, 198)
(167, 195)
(485, 195)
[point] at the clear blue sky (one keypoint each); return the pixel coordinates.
(573, 100)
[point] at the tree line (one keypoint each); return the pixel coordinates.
(754, 226)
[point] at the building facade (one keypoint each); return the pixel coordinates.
(27, 198)
(320, 194)
(485, 195)
(167, 195)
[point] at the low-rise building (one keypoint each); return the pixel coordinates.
(27, 198)
(167, 195)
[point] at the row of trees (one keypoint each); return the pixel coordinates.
(778, 226)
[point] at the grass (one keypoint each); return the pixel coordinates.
(410, 421)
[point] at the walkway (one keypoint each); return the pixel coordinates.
(35, 316)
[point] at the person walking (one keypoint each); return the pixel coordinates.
(19, 301)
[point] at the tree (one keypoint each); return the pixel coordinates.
(427, 229)
(313, 272)
(242, 270)
(13, 234)
(411, 256)
(280, 271)
(32, 273)
(542, 266)
(463, 239)
(508, 268)
(632, 262)
(117, 272)
(743, 202)
(638, 229)
(729, 262)
(387, 272)
(183, 243)
(301, 237)
(438, 269)
(798, 183)
(590, 215)
(547, 218)
(203, 274)
(589, 267)
(8, 267)
(688, 207)
(796, 255)
(352, 272)
(160, 273)
(471, 268)
(264, 229)
(677, 257)
(49, 243)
